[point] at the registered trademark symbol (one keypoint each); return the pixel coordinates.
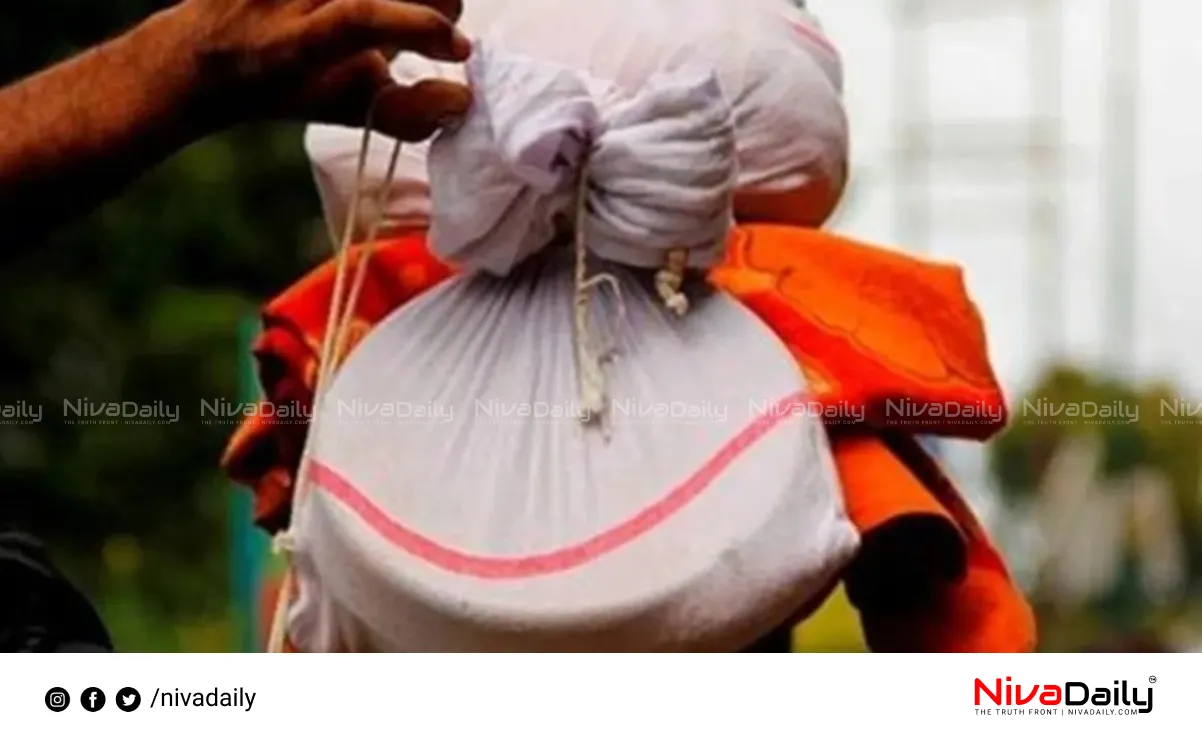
(1151, 679)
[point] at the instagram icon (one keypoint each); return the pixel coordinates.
(57, 699)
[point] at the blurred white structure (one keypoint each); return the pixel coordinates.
(1159, 535)
(1121, 189)
(976, 146)
(1080, 524)
(973, 164)
(941, 155)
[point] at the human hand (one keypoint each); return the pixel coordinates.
(325, 60)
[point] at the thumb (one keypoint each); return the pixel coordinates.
(413, 113)
(345, 94)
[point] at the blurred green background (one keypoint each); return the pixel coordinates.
(148, 300)
(143, 301)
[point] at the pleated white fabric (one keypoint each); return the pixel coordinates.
(462, 506)
(658, 164)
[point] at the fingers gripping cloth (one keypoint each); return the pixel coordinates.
(644, 180)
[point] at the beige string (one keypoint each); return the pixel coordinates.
(594, 394)
(669, 280)
(338, 323)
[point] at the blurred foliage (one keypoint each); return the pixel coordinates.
(835, 628)
(1149, 426)
(141, 301)
(1042, 421)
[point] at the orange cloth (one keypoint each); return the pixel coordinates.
(890, 344)
(265, 451)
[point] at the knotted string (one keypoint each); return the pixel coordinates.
(594, 395)
(338, 323)
(590, 357)
(670, 279)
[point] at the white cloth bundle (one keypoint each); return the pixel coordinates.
(782, 76)
(461, 505)
(659, 166)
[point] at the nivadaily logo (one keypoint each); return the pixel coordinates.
(1069, 698)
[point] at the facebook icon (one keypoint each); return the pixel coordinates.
(92, 699)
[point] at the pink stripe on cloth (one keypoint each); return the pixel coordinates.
(814, 36)
(567, 558)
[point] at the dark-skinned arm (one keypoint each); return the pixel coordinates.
(79, 132)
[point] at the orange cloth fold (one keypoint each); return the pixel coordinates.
(892, 347)
(963, 607)
(265, 450)
(885, 339)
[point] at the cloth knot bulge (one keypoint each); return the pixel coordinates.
(646, 182)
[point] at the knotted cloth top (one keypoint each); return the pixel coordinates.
(658, 168)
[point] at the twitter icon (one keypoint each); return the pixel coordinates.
(128, 699)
